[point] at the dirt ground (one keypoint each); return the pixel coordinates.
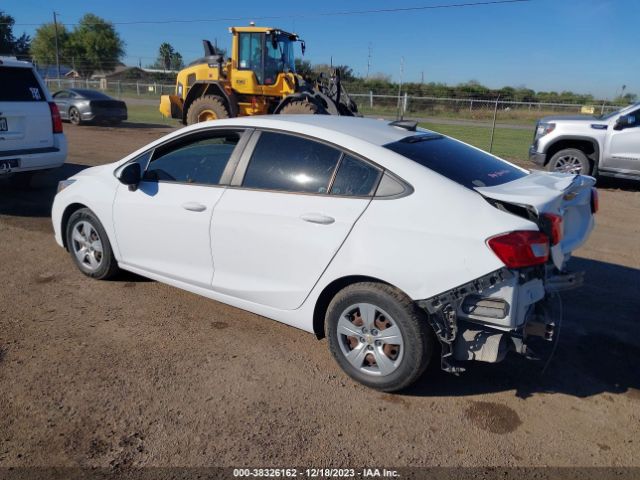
(131, 373)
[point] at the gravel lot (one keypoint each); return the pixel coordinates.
(131, 373)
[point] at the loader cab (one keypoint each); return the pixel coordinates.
(265, 52)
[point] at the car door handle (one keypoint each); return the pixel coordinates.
(194, 207)
(317, 218)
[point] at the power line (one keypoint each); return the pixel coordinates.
(302, 15)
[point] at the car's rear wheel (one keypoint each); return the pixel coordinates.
(89, 245)
(379, 336)
(570, 160)
(74, 116)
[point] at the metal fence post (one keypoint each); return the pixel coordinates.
(119, 89)
(493, 127)
(405, 103)
(370, 98)
(137, 88)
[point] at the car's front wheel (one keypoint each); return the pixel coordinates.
(379, 336)
(89, 246)
(570, 160)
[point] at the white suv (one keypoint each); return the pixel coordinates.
(31, 135)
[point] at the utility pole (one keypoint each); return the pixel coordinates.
(368, 62)
(422, 77)
(55, 26)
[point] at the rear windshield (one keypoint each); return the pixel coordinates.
(456, 161)
(91, 94)
(19, 84)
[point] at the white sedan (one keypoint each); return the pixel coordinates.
(385, 238)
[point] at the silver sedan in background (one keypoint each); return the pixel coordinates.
(78, 105)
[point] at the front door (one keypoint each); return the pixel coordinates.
(277, 231)
(163, 227)
(622, 147)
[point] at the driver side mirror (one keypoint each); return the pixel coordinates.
(130, 176)
(624, 121)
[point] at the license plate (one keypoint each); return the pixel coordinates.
(7, 165)
(3, 124)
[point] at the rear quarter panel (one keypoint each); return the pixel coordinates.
(425, 243)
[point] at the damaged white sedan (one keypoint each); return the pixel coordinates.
(398, 244)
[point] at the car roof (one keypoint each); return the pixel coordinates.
(374, 131)
(12, 62)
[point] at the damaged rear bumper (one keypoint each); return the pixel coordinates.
(499, 312)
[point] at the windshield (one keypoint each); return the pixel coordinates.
(458, 162)
(615, 112)
(278, 59)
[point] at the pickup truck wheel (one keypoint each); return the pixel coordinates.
(570, 160)
(89, 245)
(378, 336)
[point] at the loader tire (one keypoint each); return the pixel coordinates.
(300, 107)
(207, 107)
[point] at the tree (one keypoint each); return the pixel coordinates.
(9, 45)
(168, 58)
(43, 46)
(304, 68)
(94, 44)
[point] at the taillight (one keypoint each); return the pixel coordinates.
(595, 201)
(521, 249)
(554, 227)
(56, 121)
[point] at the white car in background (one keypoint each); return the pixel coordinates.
(383, 237)
(31, 137)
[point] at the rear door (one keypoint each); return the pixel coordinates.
(622, 148)
(25, 117)
(163, 227)
(291, 205)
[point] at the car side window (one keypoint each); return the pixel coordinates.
(355, 178)
(291, 164)
(199, 160)
(634, 119)
(61, 95)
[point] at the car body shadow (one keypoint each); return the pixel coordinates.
(36, 199)
(598, 348)
(612, 183)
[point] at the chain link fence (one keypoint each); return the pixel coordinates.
(500, 126)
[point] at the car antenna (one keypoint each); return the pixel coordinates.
(410, 125)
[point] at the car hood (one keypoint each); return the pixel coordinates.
(569, 118)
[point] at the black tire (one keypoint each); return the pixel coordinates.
(107, 265)
(210, 106)
(74, 116)
(570, 160)
(417, 336)
(300, 107)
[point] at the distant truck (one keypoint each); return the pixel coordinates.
(608, 145)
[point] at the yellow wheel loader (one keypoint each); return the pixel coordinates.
(258, 79)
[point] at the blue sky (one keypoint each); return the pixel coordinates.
(588, 46)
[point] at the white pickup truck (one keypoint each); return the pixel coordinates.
(608, 145)
(31, 137)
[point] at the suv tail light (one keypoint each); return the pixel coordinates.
(554, 227)
(519, 249)
(595, 201)
(56, 121)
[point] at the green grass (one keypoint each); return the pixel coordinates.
(149, 114)
(508, 143)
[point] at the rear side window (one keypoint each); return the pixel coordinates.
(456, 161)
(355, 178)
(20, 84)
(291, 164)
(201, 160)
